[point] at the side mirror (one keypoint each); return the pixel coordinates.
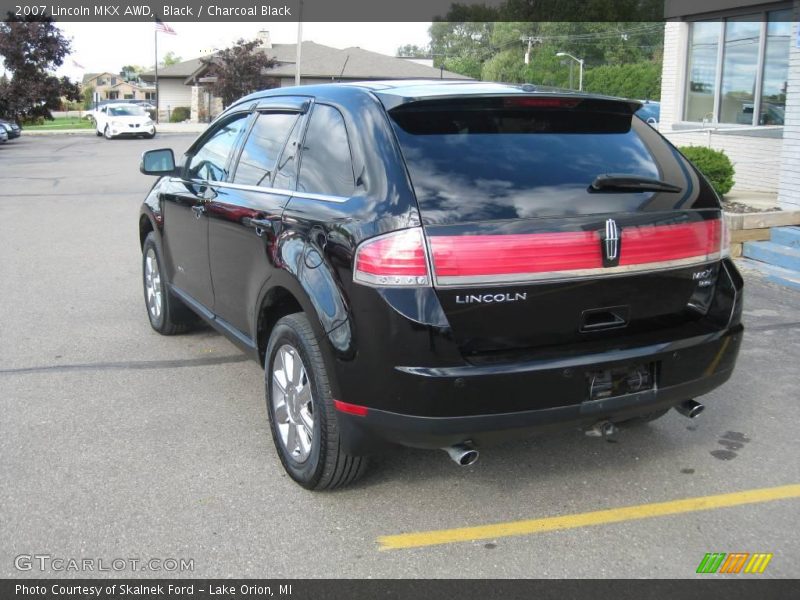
(158, 162)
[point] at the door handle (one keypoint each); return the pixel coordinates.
(262, 225)
(198, 210)
(600, 319)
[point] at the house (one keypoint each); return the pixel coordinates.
(731, 81)
(181, 84)
(111, 86)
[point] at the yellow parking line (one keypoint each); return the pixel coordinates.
(599, 517)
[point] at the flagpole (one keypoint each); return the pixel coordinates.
(155, 35)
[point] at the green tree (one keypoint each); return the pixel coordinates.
(638, 80)
(32, 48)
(88, 97)
(413, 51)
(170, 58)
(239, 70)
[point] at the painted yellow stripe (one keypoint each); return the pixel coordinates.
(600, 517)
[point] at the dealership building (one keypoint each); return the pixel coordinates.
(731, 81)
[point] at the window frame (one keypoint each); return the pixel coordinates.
(265, 110)
(209, 133)
(722, 19)
(301, 154)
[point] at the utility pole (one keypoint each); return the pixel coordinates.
(299, 44)
(530, 40)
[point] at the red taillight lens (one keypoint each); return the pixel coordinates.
(660, 243)
(394, 259)
(475, 255)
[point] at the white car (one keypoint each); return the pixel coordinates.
(117, 120)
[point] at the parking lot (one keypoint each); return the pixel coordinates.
(116, 442)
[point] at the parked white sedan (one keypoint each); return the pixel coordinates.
(117, 120)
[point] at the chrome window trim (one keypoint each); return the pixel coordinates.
(279, 191)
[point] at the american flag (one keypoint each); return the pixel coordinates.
(164, 28)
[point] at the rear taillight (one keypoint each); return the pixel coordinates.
(666, 243)
(394, 259)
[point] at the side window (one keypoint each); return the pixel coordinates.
(262, 148)
(325, 165)
(210, 160)
(286, 169)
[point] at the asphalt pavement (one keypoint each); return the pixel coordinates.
(118, 443)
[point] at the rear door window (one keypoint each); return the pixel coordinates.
(263, 147)
(326, 166)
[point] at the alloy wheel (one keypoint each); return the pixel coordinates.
(292, 403)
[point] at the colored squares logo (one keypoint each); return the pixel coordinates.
(734, 562)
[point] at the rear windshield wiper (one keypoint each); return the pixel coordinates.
(631, 183)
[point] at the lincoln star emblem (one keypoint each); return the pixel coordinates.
(611, 242)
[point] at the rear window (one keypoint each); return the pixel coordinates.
(506, 158)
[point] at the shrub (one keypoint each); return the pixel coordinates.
(634, 80)
(180, 114)
(714, 164)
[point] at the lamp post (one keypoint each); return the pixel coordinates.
(580, 64)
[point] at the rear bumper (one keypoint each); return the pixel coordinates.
(554, 391)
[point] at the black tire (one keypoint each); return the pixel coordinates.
(150, 136)
(644, 419)
(327, 466)
(98, 133)
(173, 316)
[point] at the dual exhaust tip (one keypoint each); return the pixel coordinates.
(465, 454)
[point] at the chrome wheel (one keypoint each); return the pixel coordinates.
(152, 285)
(107, 133)
(292, 403)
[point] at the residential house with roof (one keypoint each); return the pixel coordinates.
(111, 86)
(181, 85)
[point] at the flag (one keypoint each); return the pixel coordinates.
(77, 65)
(164, 28)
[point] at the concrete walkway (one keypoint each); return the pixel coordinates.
(186, 128)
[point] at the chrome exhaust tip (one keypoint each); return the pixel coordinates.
(601, 429)
(462, 454)
(690, 408)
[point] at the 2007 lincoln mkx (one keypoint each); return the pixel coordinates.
(437, 264)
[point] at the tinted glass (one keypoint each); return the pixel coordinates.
(262, 148)
(739, 67)
(472, 165)
(211, 159)
(326, 166)
(286, 170)
(776, 68)
(702, 70)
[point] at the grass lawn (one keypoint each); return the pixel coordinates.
(61, 123)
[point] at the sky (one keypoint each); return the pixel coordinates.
(101, 47)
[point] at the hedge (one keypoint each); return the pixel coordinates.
(714, 164)
(180, 114)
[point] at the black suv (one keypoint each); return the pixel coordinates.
(437, 264)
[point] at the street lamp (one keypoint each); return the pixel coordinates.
(580, 64)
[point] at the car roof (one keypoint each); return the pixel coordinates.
(395, 92)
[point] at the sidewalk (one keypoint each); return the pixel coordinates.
(185, 128)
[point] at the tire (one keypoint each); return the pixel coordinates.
(167, 314)
(107, 133)
(315, 460)
(644, 419)
(98, 133)
(150, 136)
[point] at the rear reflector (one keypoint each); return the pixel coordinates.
(473, 259)
(351, 409)
(395, 259)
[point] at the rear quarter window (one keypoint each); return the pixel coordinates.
(326, 166)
